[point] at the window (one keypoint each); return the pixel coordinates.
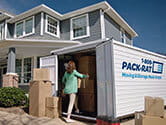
(27, 69)
(19, 29)
(24, 69)
(29, 26)
(25, 27)
(1, 31)
(123, 36)
(52, 26)
(18, 68)
(80, 27)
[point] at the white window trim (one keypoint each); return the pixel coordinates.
(102, 23)
(42, 24)
(46, 26)
(24, 34)
(5, 36)
(87, 28)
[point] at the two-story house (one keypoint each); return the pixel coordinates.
(34, 33)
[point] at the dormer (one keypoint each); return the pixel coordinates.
(4, 16)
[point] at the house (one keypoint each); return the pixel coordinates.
(26, 37)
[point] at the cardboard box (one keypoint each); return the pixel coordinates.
(89, 86)
(41, 74)
(87, 64)
(87, 102)
(53, 102)
(53, 107)
(154, 106)
(52, 112)
(39, 90)
(141, 119)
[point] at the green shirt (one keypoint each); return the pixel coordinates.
(70, 81)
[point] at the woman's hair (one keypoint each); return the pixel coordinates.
(71, 66)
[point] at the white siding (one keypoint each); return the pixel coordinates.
(130, 92)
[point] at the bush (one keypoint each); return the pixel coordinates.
(11, 96)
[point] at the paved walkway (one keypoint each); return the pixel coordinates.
(25, 119)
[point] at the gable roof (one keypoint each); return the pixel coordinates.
(102, 5)
(4, 15)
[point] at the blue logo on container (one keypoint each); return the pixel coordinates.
(157, 67)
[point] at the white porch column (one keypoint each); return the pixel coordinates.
(10, 79)
(11, 64)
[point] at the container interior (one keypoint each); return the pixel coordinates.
(87, 91)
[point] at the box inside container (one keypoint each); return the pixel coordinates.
(87, 93)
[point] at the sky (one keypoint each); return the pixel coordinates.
(146, 17)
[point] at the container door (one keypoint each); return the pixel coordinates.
(105, 80)
(51, 62)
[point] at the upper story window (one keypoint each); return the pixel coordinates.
(123, 36)
(79, 27)
(25, 27)
(52, 26)
(1, 31)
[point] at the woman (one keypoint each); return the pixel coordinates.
(71, 86)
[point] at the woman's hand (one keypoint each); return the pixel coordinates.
(87, 75)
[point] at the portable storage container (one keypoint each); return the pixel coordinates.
(124, 74)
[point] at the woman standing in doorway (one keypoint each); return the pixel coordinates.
(71, 85)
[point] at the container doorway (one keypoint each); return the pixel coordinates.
(87, 90)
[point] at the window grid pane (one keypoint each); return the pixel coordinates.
(52, 26)
(19, 29)
(27, 69)
(19, 68)
(79, 26)
(28, 26)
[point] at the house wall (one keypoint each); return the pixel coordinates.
(94, 24)
(112, 29)
(36, 35)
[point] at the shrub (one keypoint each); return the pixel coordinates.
(11, 96)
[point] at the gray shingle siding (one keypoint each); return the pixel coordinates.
(65, 29)
(95, 27)
(36, 35)
(112, 29)
(94, 24)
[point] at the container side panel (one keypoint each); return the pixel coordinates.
(109, 80)
(101, 94)
(137, 74)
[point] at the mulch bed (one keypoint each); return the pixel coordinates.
(16, 110)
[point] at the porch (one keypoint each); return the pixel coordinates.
(21, 56)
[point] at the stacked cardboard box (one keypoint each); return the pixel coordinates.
(39, 90)
(41, 74)
(87, 64)
(154, 112)
(53, 107)
(87, 95)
